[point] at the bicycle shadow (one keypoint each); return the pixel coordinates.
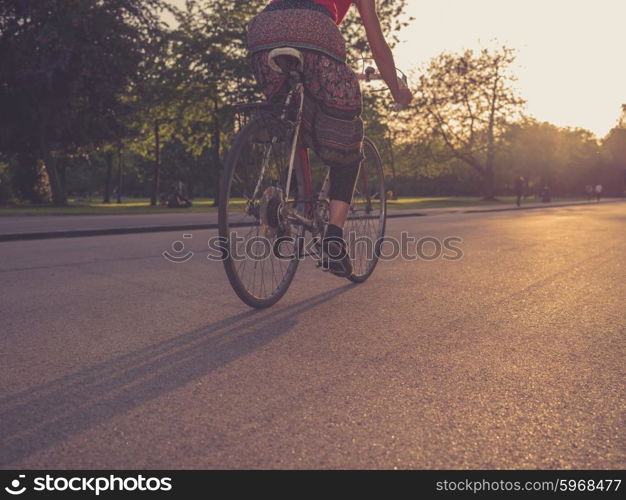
(37, 418)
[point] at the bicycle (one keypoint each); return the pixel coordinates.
(266, 162)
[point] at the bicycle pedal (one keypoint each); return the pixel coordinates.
(321, 265)
(314, 255)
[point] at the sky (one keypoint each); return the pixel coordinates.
(571, 62)
(571, 54)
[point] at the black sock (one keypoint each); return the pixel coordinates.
(333, 231)
(333, 244)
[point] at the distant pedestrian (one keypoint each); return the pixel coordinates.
(546, 197)
(520, 184)
(598, 192)
(589, 191)
(176, 200)
(526, 188)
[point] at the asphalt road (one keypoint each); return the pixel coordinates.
(29, 224)
(512, 357)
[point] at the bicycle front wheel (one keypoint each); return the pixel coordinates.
(261, 249)
(365, 227)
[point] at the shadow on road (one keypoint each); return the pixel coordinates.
(42, 416)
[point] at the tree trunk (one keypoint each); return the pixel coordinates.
(56, 182)
(392, 157)
(63, 179)
(215, 142)
(119, 176)
(107, 185)
(488, 176)
(488, 185)
(488, 179)
(157, 166)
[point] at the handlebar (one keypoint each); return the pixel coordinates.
(369, 74)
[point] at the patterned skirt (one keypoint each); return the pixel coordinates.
(331, 124)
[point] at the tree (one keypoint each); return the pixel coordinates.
(153, 99)
(392, 19)
(466, 100)
(565, 158)
(211, 74)
(63, 66)
(6, 188)
(614, 148)
(622, 119)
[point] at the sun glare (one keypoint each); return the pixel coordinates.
(570, 52)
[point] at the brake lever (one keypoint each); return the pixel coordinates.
(403, 84)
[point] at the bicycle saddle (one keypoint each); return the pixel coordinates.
(286, 59)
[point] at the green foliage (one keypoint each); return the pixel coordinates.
(615, 146)
(83, 79)
(392, 19)
(63, 66)
(614, 158)
(566, 159)
(6, 189)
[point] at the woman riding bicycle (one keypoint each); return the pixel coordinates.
(332, 124)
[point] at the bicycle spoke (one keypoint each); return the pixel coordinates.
(365, 225)
(254, 221)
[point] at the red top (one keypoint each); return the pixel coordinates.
(338, 8)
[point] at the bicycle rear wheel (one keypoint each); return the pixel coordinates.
(260, 249)
(365, 226)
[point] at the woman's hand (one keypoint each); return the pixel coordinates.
(403, 95)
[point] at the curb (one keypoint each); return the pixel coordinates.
(80, 233)
(547, 205)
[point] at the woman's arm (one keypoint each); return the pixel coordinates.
(381, 51)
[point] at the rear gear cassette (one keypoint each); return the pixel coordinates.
(270, 218)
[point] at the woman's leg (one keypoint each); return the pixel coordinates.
(342, 179)
(338, 213)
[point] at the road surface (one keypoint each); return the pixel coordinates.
(28, 224)
(511, 357)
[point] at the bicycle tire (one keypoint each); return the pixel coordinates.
(370, 185)
(258, 130)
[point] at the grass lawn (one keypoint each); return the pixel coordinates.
(131, 206)
(439, 202)
(462, 201)
(142, 206)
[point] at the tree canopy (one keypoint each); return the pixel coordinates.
(89, 84)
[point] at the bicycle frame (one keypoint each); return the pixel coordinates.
(298, 150)
(301, 152)
(299, 89)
